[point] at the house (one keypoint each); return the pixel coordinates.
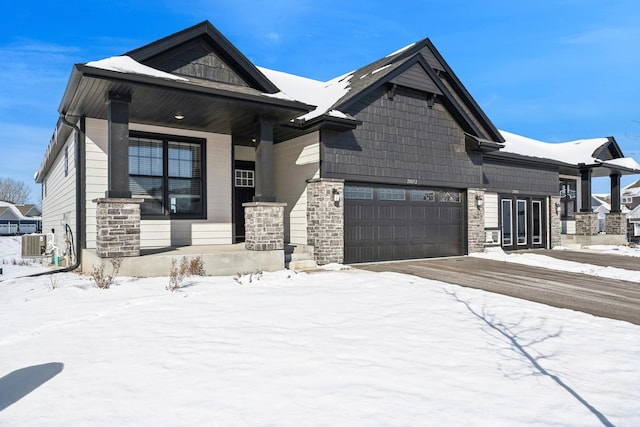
(184, 143)
(633, 232)
(631, 195)
(19, 219)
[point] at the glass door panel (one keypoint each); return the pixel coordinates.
(536, 212)
(521, 223)
(507, 223)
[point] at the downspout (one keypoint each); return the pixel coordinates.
(79, 135)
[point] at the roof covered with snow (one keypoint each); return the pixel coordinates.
(125, 64)
(10, 211)
(574, 153)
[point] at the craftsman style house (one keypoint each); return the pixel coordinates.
(185, 143)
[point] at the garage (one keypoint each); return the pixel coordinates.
(383, 223)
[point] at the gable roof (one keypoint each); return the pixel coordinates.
(602, 154)
(207, 33)
(12, 212)
(428, 73)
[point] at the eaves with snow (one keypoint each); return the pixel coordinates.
(581, 152)
(324, 95)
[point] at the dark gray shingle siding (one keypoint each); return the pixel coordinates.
(505, 178)
(399, 140)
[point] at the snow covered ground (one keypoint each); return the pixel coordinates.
(338, 348)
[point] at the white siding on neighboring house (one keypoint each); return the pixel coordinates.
(58, 205)
(215, 229)
(491, 210)
(296, 161)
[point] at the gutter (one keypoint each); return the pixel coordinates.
(79, 138)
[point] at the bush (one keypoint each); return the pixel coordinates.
(187, 268)
(102, 280)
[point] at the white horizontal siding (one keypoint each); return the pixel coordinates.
(247, 154)
(296, 161)
(215, 229)
(491, 210)
(58, 205)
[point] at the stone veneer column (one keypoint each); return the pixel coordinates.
(325, 220)
(475, 220)
(264, 226)
(118, 227)
(616, 224)
(555, 234)
(586, 223)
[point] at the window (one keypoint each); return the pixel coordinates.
(449, 196)
(507, 227)
(362, 193)
(66, 161)
(167, 172)
(245, 178)
(391, 194)
(521, 223)
(568, 198)
(423, 196)
(536, 213)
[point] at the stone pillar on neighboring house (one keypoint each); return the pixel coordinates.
(264, 226)
(586, 223)
(325, 219)
(118, 227)
(616, 224)
(475, 220)
(555, 234)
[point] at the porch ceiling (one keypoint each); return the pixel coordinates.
(206, 106)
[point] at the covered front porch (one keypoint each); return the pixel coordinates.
(218, 260)
(580, 223)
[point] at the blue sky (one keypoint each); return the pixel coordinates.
(554, 70)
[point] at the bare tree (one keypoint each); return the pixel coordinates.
(14, 191)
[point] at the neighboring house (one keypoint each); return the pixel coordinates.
(631, 195)
(395, 160)
(19, 219)
(600, 205)
(633, 232)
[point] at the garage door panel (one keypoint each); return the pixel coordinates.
(390, 224)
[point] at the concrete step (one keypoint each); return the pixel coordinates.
(303, 265)
(299, 257)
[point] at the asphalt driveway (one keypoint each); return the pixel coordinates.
(615, 299)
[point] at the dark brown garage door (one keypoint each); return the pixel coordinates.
(391, 223)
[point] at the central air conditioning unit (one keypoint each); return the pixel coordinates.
(34, 245)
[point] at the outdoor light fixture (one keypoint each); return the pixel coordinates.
(179, 116)
(336, 197)
(479, 200)
(431, 100)
(558, 208)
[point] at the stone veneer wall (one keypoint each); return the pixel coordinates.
(555, 233)
(264, 226)
(616, 223)
(586, 223)
(118, 227)
(475, 221)
(325, 220)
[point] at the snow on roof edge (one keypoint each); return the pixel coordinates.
(126, 64)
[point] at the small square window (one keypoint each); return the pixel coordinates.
(245, 178)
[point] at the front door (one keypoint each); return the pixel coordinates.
(244, 190)
(523, 222)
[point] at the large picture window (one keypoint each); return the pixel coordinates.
(167, 172)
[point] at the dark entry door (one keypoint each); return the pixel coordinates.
(523, 222)
(244, 190)
(392, 223)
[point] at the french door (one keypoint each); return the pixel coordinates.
(523, 222)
